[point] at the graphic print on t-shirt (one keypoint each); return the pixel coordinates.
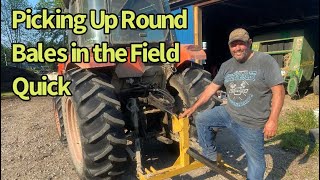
(238, 84)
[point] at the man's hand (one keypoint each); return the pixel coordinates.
(203, 98)
(270, 129)
(187, 113)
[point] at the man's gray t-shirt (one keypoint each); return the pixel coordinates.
(248, 87)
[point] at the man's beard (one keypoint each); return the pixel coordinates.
(243, 58)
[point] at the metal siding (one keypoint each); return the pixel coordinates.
(186, 36)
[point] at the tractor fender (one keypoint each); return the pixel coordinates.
(190, 52)
(122, 70)
(63, 67)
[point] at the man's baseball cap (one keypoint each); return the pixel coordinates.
(239, 34)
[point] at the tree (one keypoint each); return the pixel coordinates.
(52, 37)
(9, 35)
(5, 54)
(50, 4)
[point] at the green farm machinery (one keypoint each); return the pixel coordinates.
(295, 57)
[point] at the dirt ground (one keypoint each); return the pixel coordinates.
(30, 148)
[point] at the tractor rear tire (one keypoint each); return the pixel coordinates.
(315, 85)
(189, 85)
(58, 117)
(94, 126)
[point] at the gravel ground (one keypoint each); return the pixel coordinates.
(30, 148)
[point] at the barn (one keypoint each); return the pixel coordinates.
(211, 21)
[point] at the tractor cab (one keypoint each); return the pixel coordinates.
(120, 36)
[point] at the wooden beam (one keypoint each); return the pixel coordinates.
(197, 27)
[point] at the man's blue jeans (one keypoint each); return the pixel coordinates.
(251, 140)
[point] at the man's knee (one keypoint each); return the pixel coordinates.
(202, 118)
(209, 115)
(199, 117)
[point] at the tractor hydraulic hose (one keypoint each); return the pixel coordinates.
(134, 109)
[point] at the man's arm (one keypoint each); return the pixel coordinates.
(204, 97)
(278, 94)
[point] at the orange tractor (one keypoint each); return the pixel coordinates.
(116, 103)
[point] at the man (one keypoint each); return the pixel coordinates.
(253, 80)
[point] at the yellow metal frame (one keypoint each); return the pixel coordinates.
(183, 164)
